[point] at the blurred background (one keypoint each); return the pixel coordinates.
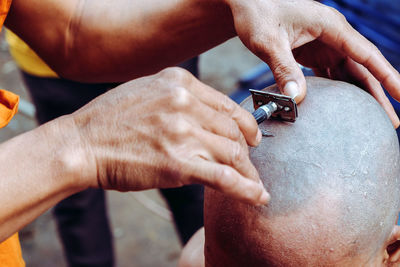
(141, 223)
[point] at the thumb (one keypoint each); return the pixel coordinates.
(287, 73)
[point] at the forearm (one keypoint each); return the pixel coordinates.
(119, 40)
(38, 169)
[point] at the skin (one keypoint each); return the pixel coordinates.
(279, 32)
(193, 253)
(131, 147)
(95, 41)
(332, 202)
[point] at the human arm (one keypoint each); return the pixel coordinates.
(160, 131)
(118, 40)
(36, 174)
(115, 41)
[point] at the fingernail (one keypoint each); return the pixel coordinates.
(291, 89)
(259, 136)
(265, 197)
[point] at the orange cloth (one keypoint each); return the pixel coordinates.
(8, 101)
(10, 253)
(4, 8)
(8, 106)
(10, 250)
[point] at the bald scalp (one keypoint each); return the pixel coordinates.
(333, 177)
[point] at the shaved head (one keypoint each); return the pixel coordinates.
(334, 182)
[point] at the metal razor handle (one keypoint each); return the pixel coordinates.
(265, 111)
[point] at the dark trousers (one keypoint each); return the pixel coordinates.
(82, 218)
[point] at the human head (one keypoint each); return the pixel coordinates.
(334, 182)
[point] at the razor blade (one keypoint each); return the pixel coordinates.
(270, 105)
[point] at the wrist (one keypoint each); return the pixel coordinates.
(69, 154)
(38, 169)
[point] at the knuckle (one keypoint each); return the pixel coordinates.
(375, 52)
(234, 131)
(330, 18)
(339, 16)
(231, 181)
(158, 84)
(175, 74)
(180, 98)
(367, 80)
(385, 79)
(174, 129)
(368, 60)
(181, 127)
(329, 12)
(237, 154)
(333, 17)
(226, 106)
(225, 178)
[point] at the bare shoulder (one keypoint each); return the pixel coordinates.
(193, 252)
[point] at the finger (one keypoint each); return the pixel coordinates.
(322, 72)
(344, 38)
(287, 73)
(227, 180)
(223, 104)
(227, 152)
(395, 256)
(367, 81)
(201, 114)
(218, 123)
